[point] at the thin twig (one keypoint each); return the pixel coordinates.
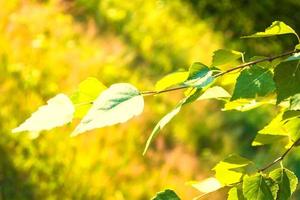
(147, 93)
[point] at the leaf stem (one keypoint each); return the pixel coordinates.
(241, 66)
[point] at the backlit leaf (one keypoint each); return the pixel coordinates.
(287, 79)
(200, 76)
(279, 128)
(277, 28)
(206, 185)
(119, 103)
(86, 93)
(215, 92)
(295, 102)
(287, 182)
(252, 82)
(168, 117)
(231, 169)
(58, 111)
(259, 187)
(235, 194)
(224, 56)
(166, 195)
(171, 80)
(245, 104)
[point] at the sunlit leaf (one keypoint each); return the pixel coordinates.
(215, 92)
(295, 102)
(287, 182)
(58, 111)
(277, 28)
(252, 82)
(86, 93)
(235, 194)
(297, 46)
(206, 185)
(287, 79)
(276, 130)
(168, 117)
(166, 195)
(200, 76)
(171, 80)
(231, 169)
(224, 56)
(245, 104)
(259, 187)
(117, 104)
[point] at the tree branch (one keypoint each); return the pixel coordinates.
(241, 66)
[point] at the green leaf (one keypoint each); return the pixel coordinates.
(86, 93)
(244, 104)
(117, 104)
(171, 80)
(166, 195)
(231, 169)
(200, 76)
(259, 187)
(224, 56)
(277, 28)
(58, 111)
(252, 82)
(168, 117)
(295, 102)
(235, 194)
(287, 79)
(215, 92)
(287, 182)
(297, 46)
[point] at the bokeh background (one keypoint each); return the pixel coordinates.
(47, 47)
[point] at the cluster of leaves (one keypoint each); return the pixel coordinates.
(262, 80)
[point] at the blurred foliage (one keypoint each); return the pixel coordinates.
(239, 18)
(51, 46)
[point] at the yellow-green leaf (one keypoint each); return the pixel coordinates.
(88, 90)
(277, 28)
(171, 80)
(231, 169)
(245, 104)
(168, 117)
(224, 56)
(235, 194)
(207, 185)
(287, 182)
(215, 92)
